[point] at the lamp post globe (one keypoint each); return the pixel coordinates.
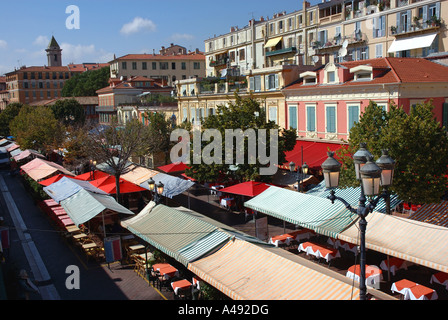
(331, 169)
(370, 177)
(360, 159)
(387, 165)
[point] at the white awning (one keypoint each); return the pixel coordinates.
(421, 41)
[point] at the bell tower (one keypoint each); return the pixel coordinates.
(54, 53)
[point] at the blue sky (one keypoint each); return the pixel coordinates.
(119, 27)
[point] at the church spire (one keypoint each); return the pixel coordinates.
(54, 53)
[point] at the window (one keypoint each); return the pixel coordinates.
(183, 66)
(25, 85)
(144, 66)
(379, 27)
(311, 17)
(300, 20)
(280, 25)
(124, 65)
(271, 28)
(331, 77)
(271, 82)
(184, 114)
(196, 65)
(25, 76)
(163, 65)
(173, 65)
(331, 119)
(379, 50)
(292, 117)
(242, 54)
(353, 116)
(154, 66)
(273, 114)
(311, 118)
(255, 83)
(134, 65)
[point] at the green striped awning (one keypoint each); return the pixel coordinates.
(179, 234)
(311, 212)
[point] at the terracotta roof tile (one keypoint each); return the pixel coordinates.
(195, 57)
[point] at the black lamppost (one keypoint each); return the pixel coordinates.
(156, 190)
(292, 168)
(371, 176)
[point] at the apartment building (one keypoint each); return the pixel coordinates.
(356, 30)
(170, 65)
(4, 94)
(283, 39)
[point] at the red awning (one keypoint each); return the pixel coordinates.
(250, 188)
(89, 176)
(108, 184)
(314, 153)
(174, 167)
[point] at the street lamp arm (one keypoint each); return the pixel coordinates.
(372, 204)
(333, 197)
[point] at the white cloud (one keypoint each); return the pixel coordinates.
(3, 44)
(42, 41)
(138, 25)
(181, 36)
(84, 53)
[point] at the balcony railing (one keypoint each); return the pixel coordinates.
(338, 41)
(416, 27)
(281, 51)
(218, 62)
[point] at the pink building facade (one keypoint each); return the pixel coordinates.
(326, 103)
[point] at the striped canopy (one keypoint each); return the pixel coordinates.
(179, 234)
(244, 271)
(410, 240)
(433, 213)
(308, 211)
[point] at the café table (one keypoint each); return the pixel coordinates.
(319, 251)
(413, 291)
(338, 243)
(393, 265)
(180, 285)
(196, 282)
(374, 275)
(440, 278)
(280, 239)
(288, 237)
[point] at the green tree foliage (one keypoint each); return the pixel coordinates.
(87, 83)
(244, 114)
(37, 128)
(69, 112)
(416, 142)
(7, 115)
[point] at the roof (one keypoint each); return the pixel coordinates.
(53, 43)
(308, 211)
(249, 188)
(66, 187)
(173, 186)
(87, 66)
(138, 174)
(390, 70)
(198, 57)
(174, 167)
(39, 169)
(244, 271)
(410, 240)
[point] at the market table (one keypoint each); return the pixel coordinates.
(413, 291)
(180, 285)
(374, 275)
(394, 265)
(337, 243)
(440, 278)
(196, 282)
(319, 251)
(288, 237)
(227, 202)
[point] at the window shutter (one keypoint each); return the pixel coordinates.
(408, 17)
(398, 21)
(252, 83)
(445, 115)
(375, 25)
(438, 10)
(276, 81)
(292, 117)
(425, 14)
(266, 82)
(331, 119)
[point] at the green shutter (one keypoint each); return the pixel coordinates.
(331, 119)
(292, 117)
(445, 116)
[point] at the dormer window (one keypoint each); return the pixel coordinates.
(309, 78)
(362, 73)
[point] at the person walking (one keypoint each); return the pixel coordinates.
(26, 286)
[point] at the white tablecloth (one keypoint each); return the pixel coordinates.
(372, 280)
(311, 250)
(226, 202)
(215, 189)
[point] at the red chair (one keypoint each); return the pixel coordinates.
(415, 207)
(406, 207)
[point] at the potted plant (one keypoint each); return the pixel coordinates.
(435, 22)
(417, 22)
(393, 29)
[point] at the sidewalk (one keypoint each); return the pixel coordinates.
(37, 247)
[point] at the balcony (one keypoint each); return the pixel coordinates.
(337, 41)
(417, 27)
(218, 62)
(281, 51)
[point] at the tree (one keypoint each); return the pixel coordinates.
(158, 133)
(417, 143)
(87, 83)
(37, 128)
(115, 145)
(244, 114)
(7, 115)
(69, 112)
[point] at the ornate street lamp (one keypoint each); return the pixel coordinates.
(156, 190)
(371, 175)
(305, 168)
